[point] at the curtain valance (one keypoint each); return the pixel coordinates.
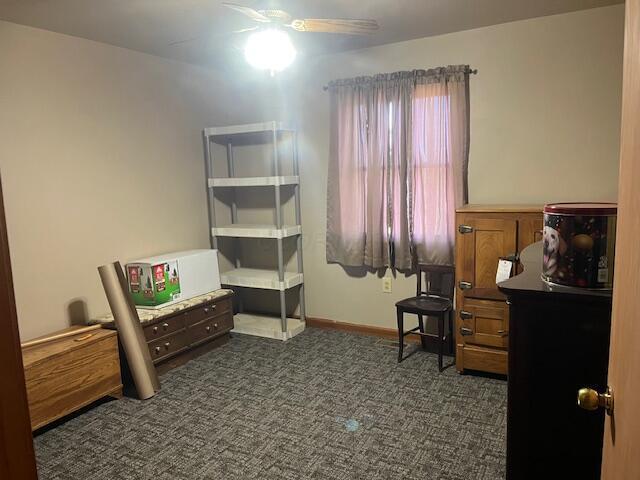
(456, 73)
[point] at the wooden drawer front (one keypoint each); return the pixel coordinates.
(167, 346)
(210, 328)
(164, 327)
(485, 359)
(72, 380)
(208, 310)
(484, 322)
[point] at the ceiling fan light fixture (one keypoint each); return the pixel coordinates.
(269, 49)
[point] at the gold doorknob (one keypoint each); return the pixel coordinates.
(590, 399)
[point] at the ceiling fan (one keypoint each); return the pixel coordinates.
(280, 18)
(269, 46)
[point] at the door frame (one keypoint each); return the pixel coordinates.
(17, 457)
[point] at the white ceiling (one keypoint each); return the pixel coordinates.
(152, 25)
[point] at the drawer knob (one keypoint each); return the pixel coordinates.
(209, 308)
(503, 333)
(215, 325)
(167, 345)
(465, 315)
(155, 329)
(464, 331)
(465, 285)
(465, 229)
(165, 325)
(157, 350)
(208, 328)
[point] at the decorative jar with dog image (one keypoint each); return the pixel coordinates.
(579, 243)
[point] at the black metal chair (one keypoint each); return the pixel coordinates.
(435, 301)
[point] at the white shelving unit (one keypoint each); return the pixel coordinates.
(281, 280)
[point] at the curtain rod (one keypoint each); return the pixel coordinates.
(472, 71)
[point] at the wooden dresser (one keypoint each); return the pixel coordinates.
(176, 331)
(67, 374)
(484, 234)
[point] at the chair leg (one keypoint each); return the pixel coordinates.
(400, 334)
(423, 339)
(452, 333)
(440, 340)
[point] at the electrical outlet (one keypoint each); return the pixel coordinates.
(386, 285)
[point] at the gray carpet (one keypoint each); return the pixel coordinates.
(324, 405)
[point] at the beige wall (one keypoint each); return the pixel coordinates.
(93, 137)
(101, 160)
(545, 113)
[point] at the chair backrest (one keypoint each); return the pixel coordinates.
(439, 280)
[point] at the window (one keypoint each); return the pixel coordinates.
(397, 168)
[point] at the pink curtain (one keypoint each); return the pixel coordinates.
(438, 164)
(398, 167)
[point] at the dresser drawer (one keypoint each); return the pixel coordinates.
(484, 322)
(163, 328)
(485, 359)
(208, 310)
(210, 328)
(164, 347)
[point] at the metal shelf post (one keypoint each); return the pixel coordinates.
(208, 166)
(296, 190)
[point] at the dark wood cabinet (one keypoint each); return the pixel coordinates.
(178, 332)
(558, 343)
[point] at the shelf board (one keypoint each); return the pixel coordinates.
(240, 230)
(252, 132)
(266, 326)
(248, 128)
(260, 278)
(253, 181)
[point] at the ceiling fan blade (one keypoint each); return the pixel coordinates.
(242, 30)
(186, 40)
(335, 25)
(249, 12)
(222, 34)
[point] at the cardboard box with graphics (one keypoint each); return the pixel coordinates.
(165, 279)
